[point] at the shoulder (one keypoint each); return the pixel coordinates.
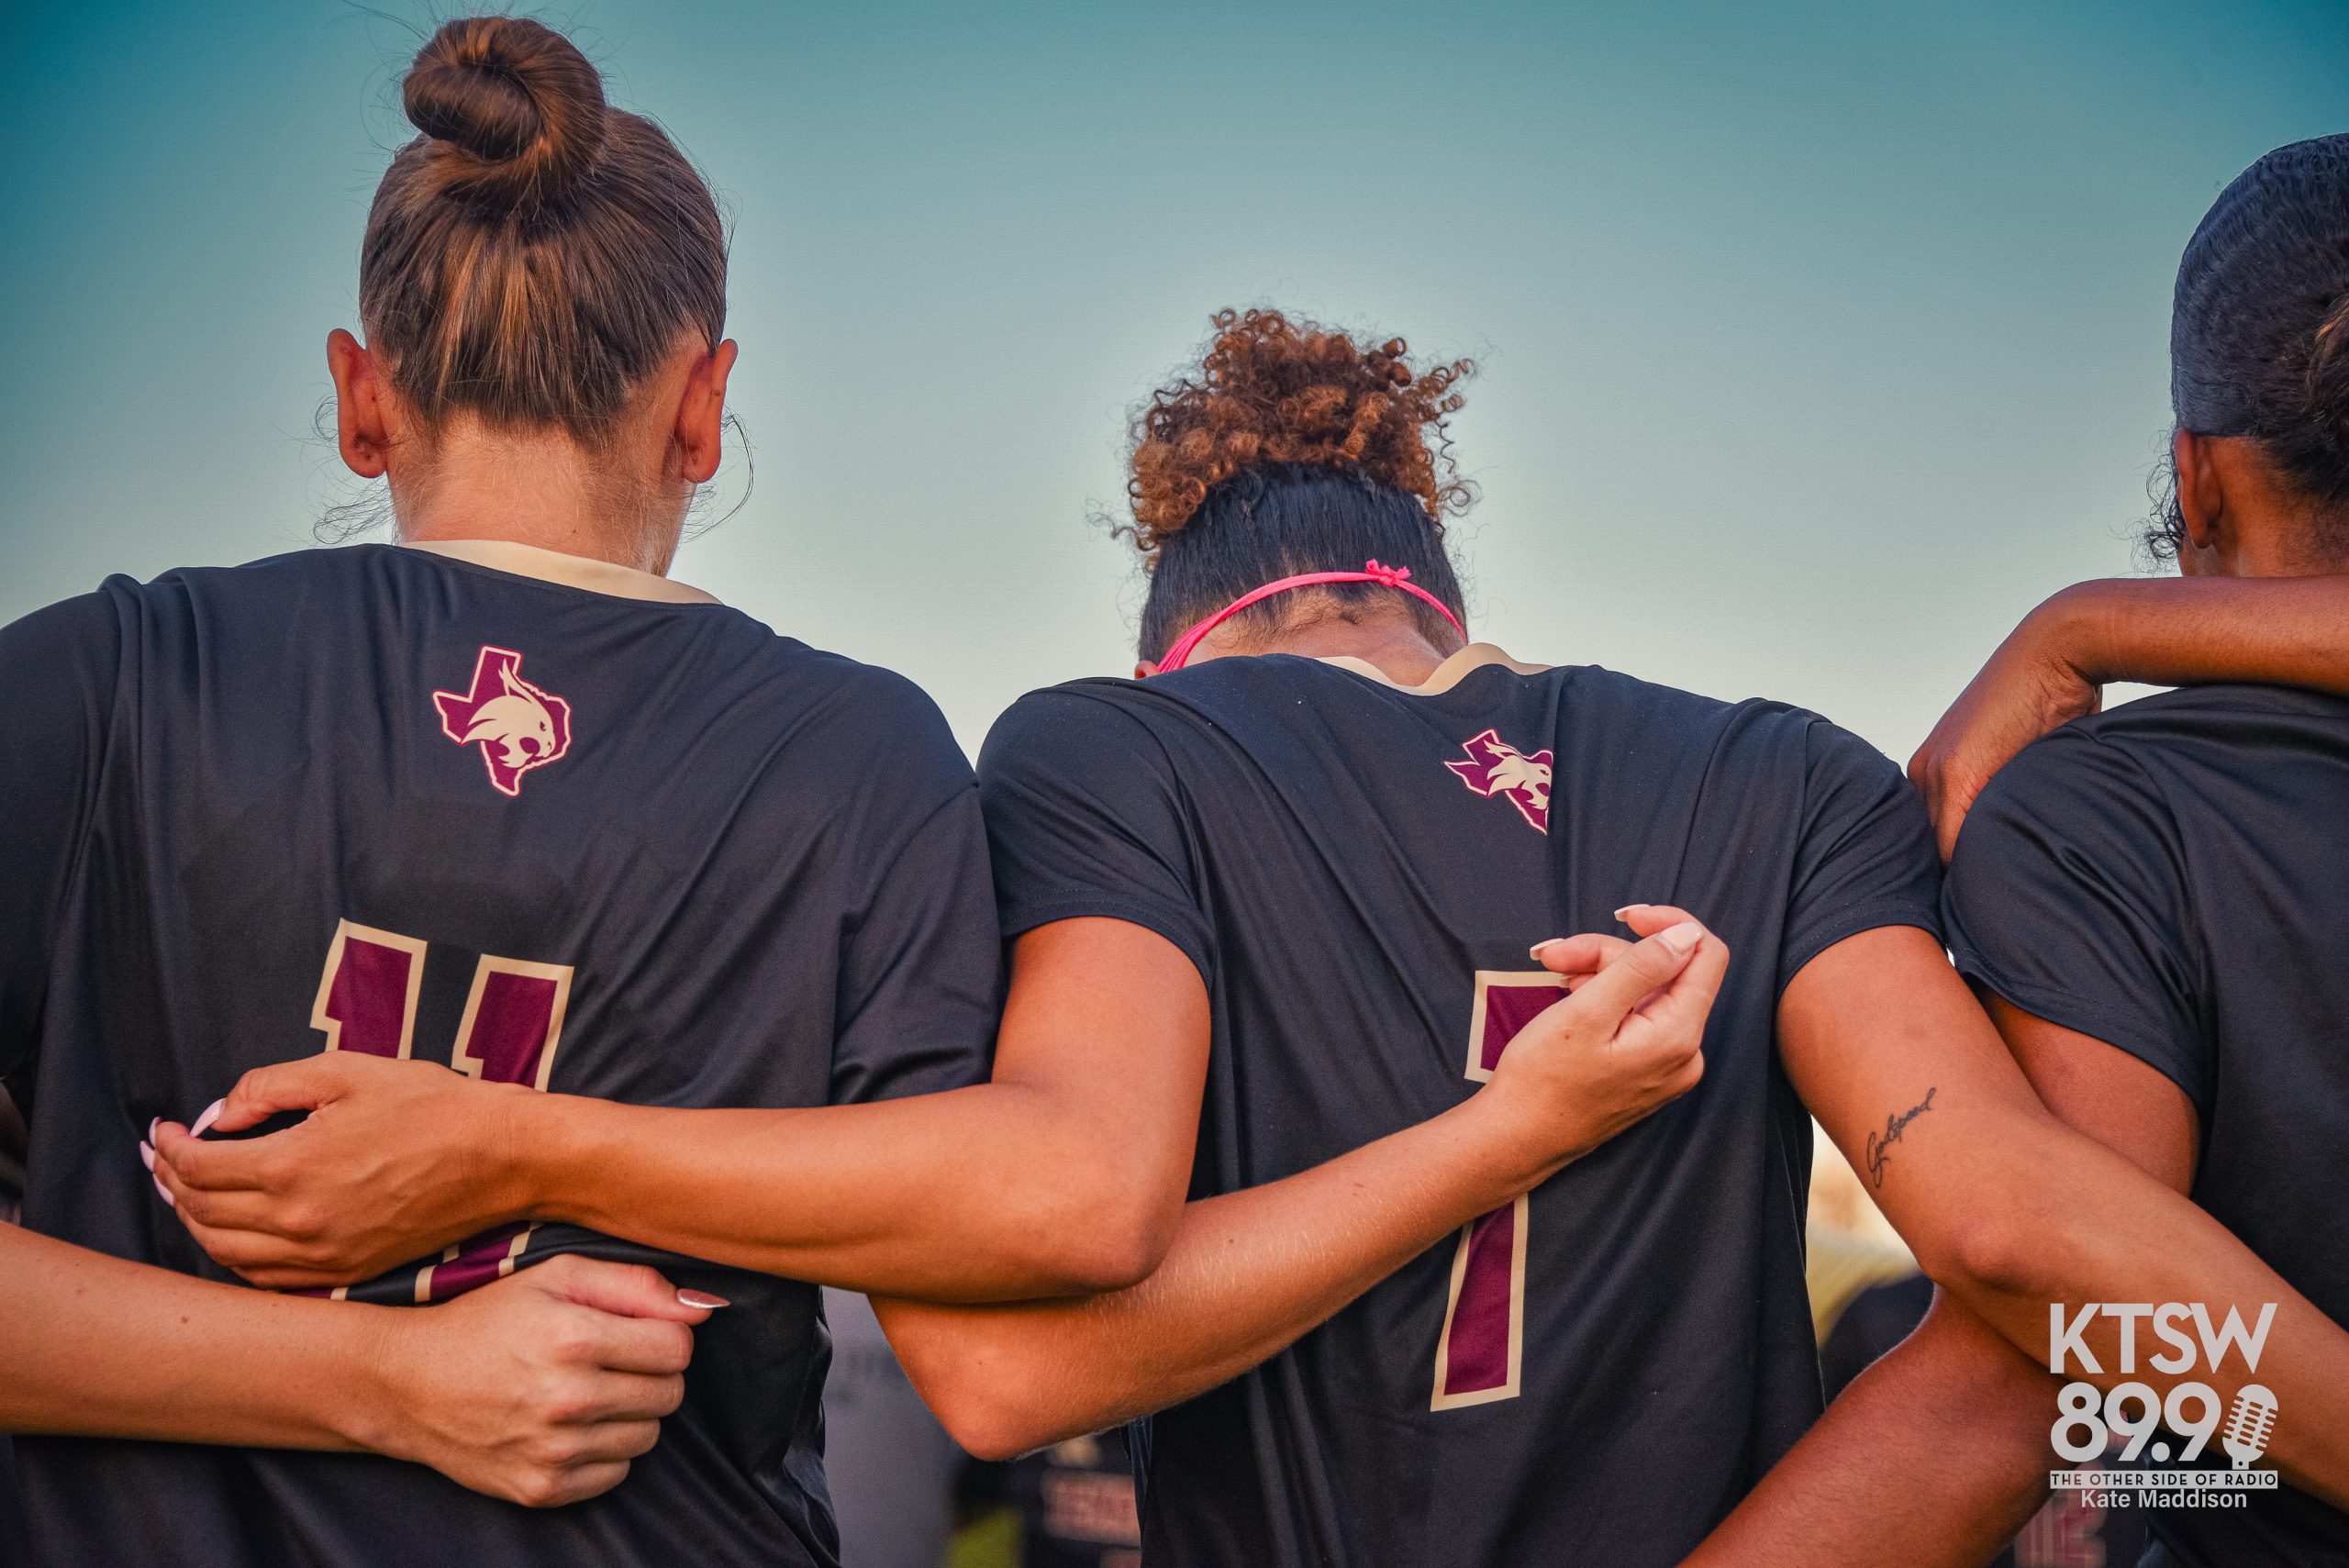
(2078, 772)
(835, 725)
(1110, 753)
(2225, 715)
(276, 579)
(1748, 740)
(864, 702)
(121, 601)
(1101, 721)
(1747, 721)
(2075, 809)
(64, 664)
(76, 629)
(270, 594)
(799, 744)
(2190, 707)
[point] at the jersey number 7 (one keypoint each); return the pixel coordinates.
(513, 1021)
(1483, 1344)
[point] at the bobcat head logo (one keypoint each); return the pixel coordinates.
(518, 726)
(1496, 767)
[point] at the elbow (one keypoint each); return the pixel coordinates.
(987, 1419)
(1984, 1257)
(1112, 1259)
(994, 1434)
(1118, 1257)
(1091, 1242)
(2004, 1251)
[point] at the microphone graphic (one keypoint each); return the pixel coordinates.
(2249, 1425)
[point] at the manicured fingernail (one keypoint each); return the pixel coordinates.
(152, 1127)
(147, 1155)
(166, 1193)
(703, 1299)
(1680, 938)
(1538, 948)
(1627, 909)
(211, 1113)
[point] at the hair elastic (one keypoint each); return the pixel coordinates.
(1372, 571)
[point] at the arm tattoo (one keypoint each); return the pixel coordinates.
(1880, 1149)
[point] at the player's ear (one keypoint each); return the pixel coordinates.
(362, 426)
(700, 435)
(1144, 670)
(2201, 493)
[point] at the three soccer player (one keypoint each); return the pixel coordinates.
(1311, 855)
(676, 893)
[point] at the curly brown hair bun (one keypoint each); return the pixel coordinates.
(1275, 390)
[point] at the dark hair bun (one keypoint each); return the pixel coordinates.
(516, 111)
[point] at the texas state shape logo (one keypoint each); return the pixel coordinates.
(1522, 778)
(518, 726)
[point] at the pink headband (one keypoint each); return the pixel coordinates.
(1372, 571)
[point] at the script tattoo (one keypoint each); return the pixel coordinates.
(1895, 1126)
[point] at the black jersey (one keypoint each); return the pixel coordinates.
(625, 842)
(2172, 878)
(1595, 1374)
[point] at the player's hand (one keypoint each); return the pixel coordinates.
(1629, 1039)
(2029, 687)
(538, 1388)
(396, 1159)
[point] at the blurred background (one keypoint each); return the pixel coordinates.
(1816, 346)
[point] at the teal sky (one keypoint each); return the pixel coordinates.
(1816, 346)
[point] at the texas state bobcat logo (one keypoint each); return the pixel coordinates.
(518, 726)
(1496, 767)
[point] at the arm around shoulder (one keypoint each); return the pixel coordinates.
(1249, 1271)
(2166, 632)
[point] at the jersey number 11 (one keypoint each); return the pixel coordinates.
(513, 1022)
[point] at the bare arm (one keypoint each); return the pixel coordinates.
(538, 1389)
(100, 1345)
(2011, 1211)
(2173, 631)
(1248, 1273)
(1940, 1452)
(1067, 1172)
(1933, 1458)
(1252, 1270)
(2107, 1094)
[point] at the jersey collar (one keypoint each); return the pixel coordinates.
(1448, 675)
(605, 577)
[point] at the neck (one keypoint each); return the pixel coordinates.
(1391, 644)
(2244, 519)
(2290, 551)
(538, 489)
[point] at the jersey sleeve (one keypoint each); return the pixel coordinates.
(1084, 817)
(2067, 897)
(920, 982)
(1865, 857)
(58, 667)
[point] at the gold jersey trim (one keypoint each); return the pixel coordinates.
(606, 577)
(1448, 675)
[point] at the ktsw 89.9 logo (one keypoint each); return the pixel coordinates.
(2147, 1425)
